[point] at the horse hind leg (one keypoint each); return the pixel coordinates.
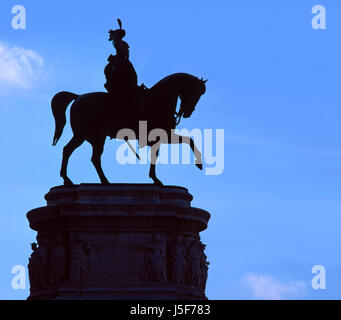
(97, 150)
(155, 149)
(73, 144)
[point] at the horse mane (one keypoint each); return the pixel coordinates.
(179, 79)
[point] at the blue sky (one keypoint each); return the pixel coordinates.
(274, 87)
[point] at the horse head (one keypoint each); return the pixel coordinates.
(191, 95)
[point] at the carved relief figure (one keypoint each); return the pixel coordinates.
(204, 266)
(177, 261)
(57, 261)
(155, 259)
(33, 267)
(193, 263)
(42, 255)
(79, 260)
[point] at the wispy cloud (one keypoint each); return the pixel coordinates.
(19, 68)
(266, 287)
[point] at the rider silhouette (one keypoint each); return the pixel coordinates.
(119, 72)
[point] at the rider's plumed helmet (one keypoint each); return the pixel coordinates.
(117, 34)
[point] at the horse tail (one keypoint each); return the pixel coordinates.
(59, 104)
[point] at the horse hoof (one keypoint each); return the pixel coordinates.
(157, 182)
(199, 165)
(68, 182)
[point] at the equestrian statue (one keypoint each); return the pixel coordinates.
(97, 115)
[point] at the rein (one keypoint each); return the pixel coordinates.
(178, 116)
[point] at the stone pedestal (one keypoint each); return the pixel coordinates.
(121, 241)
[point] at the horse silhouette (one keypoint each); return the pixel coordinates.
(94, 116)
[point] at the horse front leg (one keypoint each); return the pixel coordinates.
(176, 138)
(97, 150)
(153, 155)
